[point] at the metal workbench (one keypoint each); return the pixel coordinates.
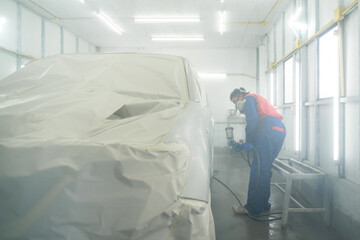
(291, 170)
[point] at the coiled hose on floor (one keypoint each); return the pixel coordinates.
(265, 217)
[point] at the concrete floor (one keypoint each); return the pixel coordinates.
(233, 170)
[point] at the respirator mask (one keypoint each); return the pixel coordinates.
(240, 105)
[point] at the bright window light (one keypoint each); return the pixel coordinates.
(336, 107)
(336, 123)
(109, 22)
(167, 19)
(297, 113)
(289, 81)
(295, 24)
(329, 78)
(328, 63)
(221, 22)
(212, 75)
(177, 38)
(2, 22)
(272, 87)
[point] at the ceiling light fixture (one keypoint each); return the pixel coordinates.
(82, 1)
(2, 22)
(177, 38)
(166, 20)
(109, 22)
(221, 22)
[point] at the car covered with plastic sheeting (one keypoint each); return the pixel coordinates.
(105, 146)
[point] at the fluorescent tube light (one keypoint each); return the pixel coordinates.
(166, 20)
(212, 75)
(109, 22)
(2, 22)
(221, 22)
(177, 38)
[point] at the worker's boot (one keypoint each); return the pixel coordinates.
(240, 210)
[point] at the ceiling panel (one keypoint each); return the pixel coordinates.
(82, 20)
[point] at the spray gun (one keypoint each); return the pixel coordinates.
(229, 134)
(239, 146)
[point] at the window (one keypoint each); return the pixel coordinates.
(328, 63)
(289, 81)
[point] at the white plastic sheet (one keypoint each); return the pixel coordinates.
(82, 153)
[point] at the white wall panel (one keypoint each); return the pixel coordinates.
(52, 39)
(326, 11)
(279, 40)
(311, 135)
(31, 33)
(351, 57)
(326, 139)
(92, 48)
(8, 34)
(7, 64)
(311, 77)
(271, 46)
(289, 34)
(69, 42)
(311, 21)
(262, 61)
(352, 139)
(30, 37)
(279, 85)
(83, 46)
(289, 88)
(289, 122)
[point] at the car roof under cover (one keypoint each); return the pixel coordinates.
(99, 97)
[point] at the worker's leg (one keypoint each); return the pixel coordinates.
(277, 133)
(268, 144)
(259, 175)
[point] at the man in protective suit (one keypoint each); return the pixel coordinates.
(265, 134)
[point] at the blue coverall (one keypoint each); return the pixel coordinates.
(267, 136)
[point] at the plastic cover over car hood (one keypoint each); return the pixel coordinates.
(82, 153)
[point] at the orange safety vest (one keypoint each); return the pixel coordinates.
(264, 108)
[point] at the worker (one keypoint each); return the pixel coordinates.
(265, 133)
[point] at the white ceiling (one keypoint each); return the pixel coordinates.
(81, 19)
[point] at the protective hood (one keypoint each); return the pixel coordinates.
(82, 154)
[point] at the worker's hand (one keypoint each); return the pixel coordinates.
(248, 147)
(231, 142)
(237, 146)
